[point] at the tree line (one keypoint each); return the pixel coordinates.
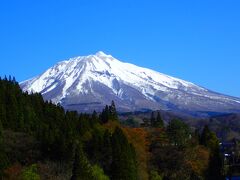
(64, 136)
(95, 146)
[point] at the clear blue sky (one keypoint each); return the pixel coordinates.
(198, 41)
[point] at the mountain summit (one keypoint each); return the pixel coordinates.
(86, 83)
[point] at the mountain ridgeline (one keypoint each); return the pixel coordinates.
(40, 140)
(87, 83)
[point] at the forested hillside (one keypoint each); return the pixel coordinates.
(40, 136)
(39, 140)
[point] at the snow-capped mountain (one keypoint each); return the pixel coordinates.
(89, 82)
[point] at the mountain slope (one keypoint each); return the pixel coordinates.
(89, 82)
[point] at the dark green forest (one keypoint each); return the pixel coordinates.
(40, 140)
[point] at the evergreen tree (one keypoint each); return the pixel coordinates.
(57, 130)
(104, 117)
(113, 112)
(10, 78)
(152, 120)
(14, 80)
(159, 121)
(106, 152)
(12, 109)
(94, 119)
(5, 78)
(210, 140)
(215, 166)
(82, 169)
(204, 138)
(109, 113)
(124, 162)
(94, 148)
(178, 132)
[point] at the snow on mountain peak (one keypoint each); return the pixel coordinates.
(101, 53)
(102, 78)
(104, 69)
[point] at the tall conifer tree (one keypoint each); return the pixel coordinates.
(82, 169)
(124, 162)
(159, 121)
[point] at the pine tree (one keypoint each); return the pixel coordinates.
(9, 78)
(215, 166)
(178, 132)
(5, 78)
(14, 80)
(205, 136)
(210, 140)
(106, 152)
(113, 111)
(159, 121)
(94, 148)
(104, 117)
(152, 120)
(82, 169)
(124, 163)
(12, 109)
(94, 119)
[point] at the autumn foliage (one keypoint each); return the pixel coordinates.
(139, 138)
